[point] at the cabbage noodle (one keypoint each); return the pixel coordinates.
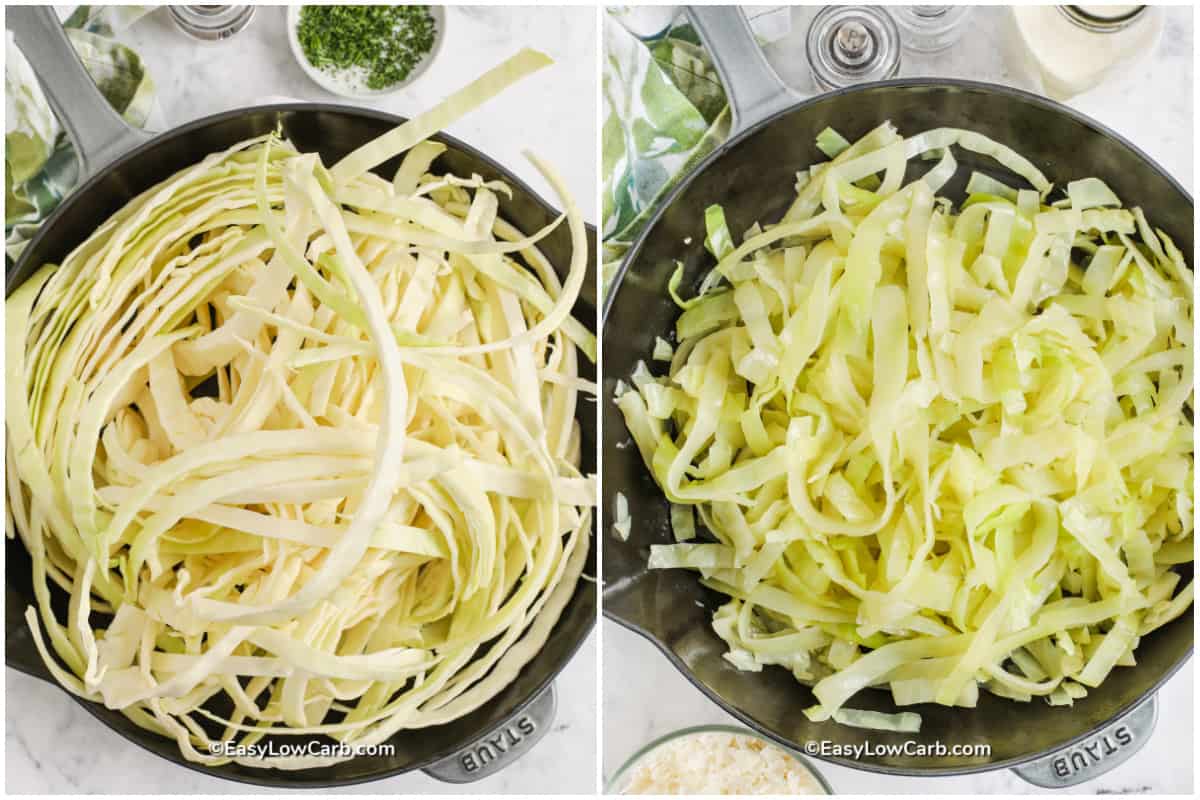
(300, 445)
(938, 450)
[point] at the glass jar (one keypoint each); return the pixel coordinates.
(1064, 51)
(620, 780)
(211, 23)
(930, 29)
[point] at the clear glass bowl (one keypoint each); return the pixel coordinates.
(620, 778)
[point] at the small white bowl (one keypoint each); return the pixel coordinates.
(331, 83)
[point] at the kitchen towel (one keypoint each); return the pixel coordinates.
(40, 161)
(664, 111)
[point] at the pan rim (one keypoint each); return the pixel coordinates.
(885, 769)
(268, 777)
(77, 192)
(607, 302)
(982, 87)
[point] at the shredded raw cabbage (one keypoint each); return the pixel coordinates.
(300, 445)
(935, 450)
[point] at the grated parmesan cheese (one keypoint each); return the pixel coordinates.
(720, 763)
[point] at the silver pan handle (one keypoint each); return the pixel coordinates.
(1107, 748)
(500, 747)
(754, 91)
(95, 129)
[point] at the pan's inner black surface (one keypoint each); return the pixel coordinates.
(753, 179)
(333, 132)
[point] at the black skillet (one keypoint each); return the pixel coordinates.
(117, 164)
(752, 176)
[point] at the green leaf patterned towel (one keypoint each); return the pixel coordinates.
(40, 161)
(664, 111)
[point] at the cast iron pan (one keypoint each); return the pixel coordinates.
(453, 752)
(752, 176)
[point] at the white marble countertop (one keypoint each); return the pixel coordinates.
(54, 746)
(552, 114)
(1152, 106)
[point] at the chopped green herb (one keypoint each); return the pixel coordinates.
(385, 42)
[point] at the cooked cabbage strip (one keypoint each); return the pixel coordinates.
(935, 450)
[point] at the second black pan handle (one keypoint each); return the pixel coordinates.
(754, 91)
(95, 129)
(1097, 753)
